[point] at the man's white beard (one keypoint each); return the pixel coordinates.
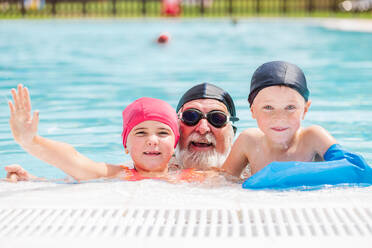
(200, 160)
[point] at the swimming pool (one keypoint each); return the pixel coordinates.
(82, 73)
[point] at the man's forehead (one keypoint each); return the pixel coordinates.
(206, 105)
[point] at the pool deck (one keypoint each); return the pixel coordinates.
(157, 194)
(150, 213)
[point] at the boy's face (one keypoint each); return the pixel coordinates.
(279, 111)
(151, 145)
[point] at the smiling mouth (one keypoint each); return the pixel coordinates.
(152, 153)
(279, 129)
(201, 144)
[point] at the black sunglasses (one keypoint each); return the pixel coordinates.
(216, 118)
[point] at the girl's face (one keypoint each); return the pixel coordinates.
(279, 111)
(151, 145)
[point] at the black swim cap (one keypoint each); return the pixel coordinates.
(209, 91)
(278, 73)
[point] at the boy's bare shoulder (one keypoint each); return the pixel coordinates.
(250, 136)
(315, 131)
(251, 133)
(318, 137)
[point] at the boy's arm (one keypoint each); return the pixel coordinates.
(237, 159)
(58, 154)
(321, 140)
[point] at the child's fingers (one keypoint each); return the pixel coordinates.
(9, 174)
(9, 168)
(35, 120)
(15, 100)
(11, 107)
(20, 95)
(16, 173)
(12, 177)
(27, 100)
(13, 168)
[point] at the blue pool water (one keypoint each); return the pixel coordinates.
(82, 73)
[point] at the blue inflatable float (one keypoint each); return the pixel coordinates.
(339, 168)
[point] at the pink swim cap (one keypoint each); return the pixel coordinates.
(149, 109)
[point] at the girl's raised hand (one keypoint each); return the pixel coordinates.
(23, 126)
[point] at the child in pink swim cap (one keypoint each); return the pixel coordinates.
(150, 135)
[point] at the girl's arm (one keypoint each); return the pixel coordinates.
(61, 155)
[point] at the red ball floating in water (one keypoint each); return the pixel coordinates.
(163, 38)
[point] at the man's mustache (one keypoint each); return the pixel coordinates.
(206, 138)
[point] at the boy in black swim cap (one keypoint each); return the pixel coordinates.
(279, 101)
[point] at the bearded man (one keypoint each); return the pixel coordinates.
(206, 114)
